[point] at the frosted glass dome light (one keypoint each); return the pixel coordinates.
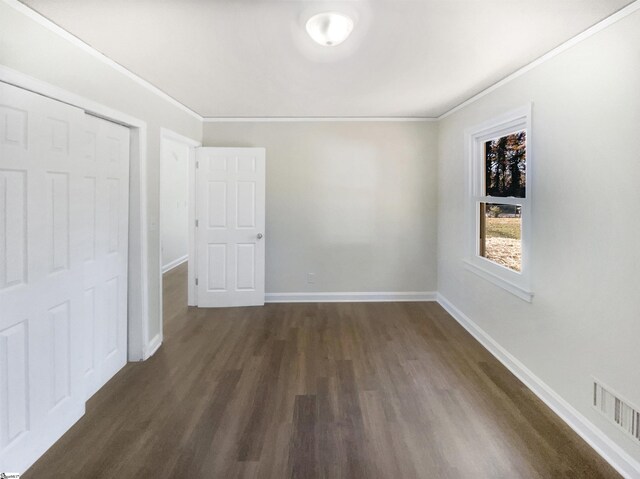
(329, 28)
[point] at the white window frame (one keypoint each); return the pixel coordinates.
(518, 283)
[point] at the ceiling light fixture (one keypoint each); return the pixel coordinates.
(329, 28)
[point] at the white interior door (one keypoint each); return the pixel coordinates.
(230, 212)
(104, 189)
(41, 389)
(47, 233)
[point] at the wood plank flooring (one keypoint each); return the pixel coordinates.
(362, 390)
(174, 293)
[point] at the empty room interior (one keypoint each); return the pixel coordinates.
(319, 239)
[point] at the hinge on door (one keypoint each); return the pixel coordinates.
(196, 281)
(197, 164)
(197, 223)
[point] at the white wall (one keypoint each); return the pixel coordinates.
(584, 320)
(352, 202)
(30, 48)
(174, 203)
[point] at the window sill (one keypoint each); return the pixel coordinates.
(512, 288)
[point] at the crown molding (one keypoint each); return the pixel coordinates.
(51, 26)
(275, 119)
(172, 135)
(589, 32)
(37, 17)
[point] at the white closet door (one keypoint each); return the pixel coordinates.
(230, 207)
(41, 387)
(104, 189)
(45, 187)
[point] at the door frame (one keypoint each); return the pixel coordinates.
(140, 346)
(167, 134)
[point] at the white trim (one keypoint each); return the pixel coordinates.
(192, 290)
(138, 288)
(49, 25)
(166, 134)
(268, 119)
(175, 263)
(138, 330)
(26, 82)
(598, 440)
(592, 30)
(349, 297)
(610, 20)
(516, 282)
(172, 135)
(498, 281)
(153, 346)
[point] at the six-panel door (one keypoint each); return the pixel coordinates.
(63, 205)
(231, 219)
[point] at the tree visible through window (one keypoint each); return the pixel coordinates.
(504, 177)
(505, 165)
(499, 152)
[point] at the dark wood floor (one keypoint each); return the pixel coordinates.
(387, 390)
(174, 294)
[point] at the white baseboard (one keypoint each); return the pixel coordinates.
(175, 263)
(600, 442)
(349, 297)
(153, 346)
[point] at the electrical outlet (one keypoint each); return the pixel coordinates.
(311, 278)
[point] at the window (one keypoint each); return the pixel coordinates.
(499, 201)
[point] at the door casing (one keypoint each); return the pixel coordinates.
(166, 134)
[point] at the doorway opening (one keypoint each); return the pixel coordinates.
(177, 162)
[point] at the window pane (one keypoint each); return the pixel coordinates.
(505, 165)
(500, 234)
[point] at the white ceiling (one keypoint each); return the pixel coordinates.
(244, 58)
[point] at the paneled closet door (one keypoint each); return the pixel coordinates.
(64, 189)
(104, 191)
(41, 307)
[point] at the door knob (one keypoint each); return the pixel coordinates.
(259, 236)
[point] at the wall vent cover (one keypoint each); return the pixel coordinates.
(617, 410)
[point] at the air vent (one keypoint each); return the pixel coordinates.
(617, 410)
